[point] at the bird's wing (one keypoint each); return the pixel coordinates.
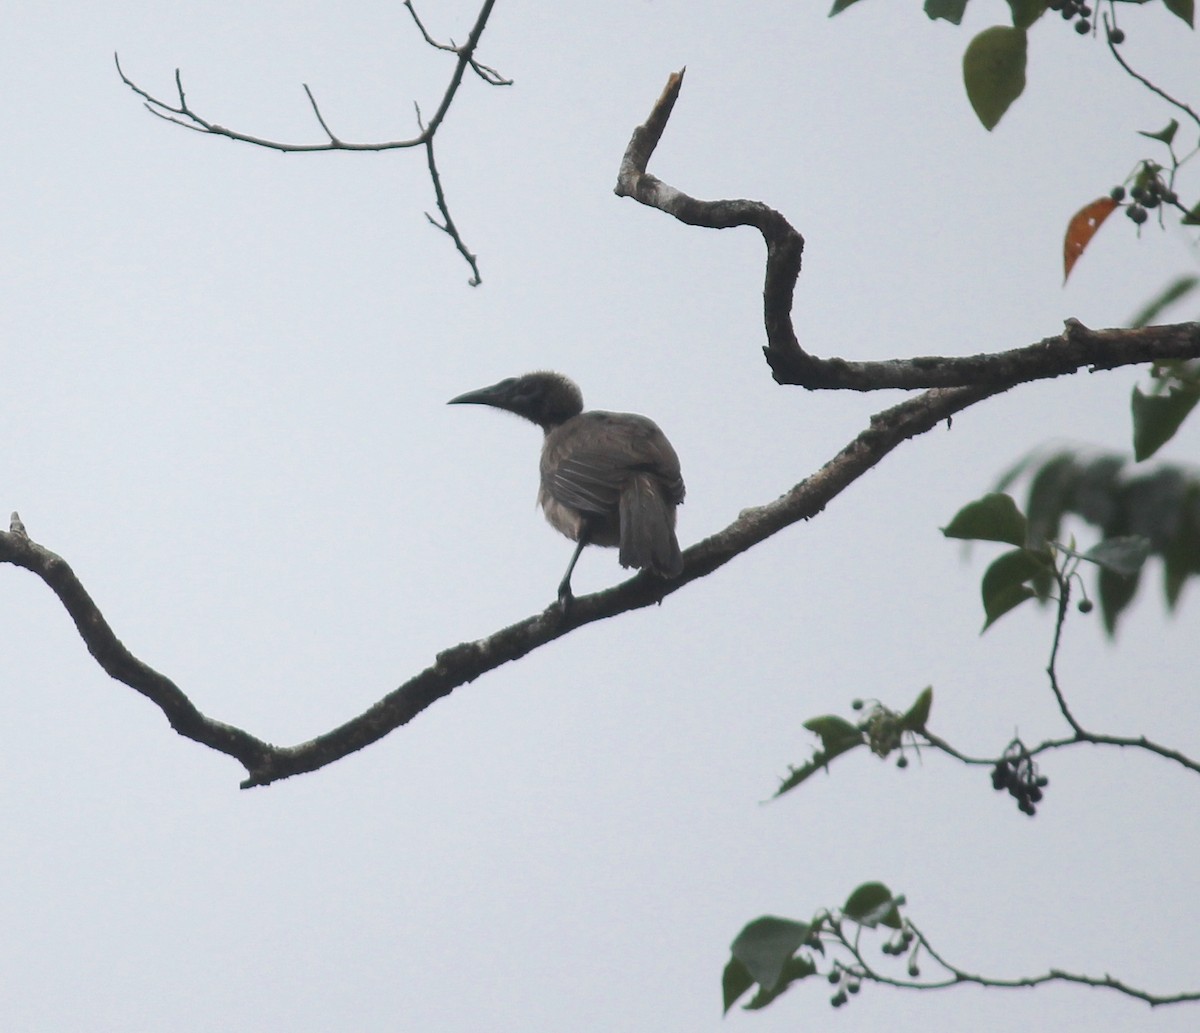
(589, 460)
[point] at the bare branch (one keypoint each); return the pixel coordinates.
(960, 977)
(447, 224)
(1112, 47)
(487, 74)
(465, 662)
(183, 115)
(790, 364)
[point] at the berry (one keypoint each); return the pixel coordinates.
(1116, 37)
(835, 977)
(1083, 26)
(902, 762)
(854, 986)
(1117, 194)
(1086, 606)
(856, 704)
(1137, 213)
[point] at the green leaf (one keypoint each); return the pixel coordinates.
(994, 72)
(1168, 296)
(1116, 593)
(1166, 134)
(735, 981)
(1123, 555)
(1156, 418)
(839, 6)
(1185, 9)
(795, 968)
(1026, 12)
(948, 10)
(834, 731)
(993, 518)
(872, 904)
(1192, 218)
(765, 946)
(915, 717)
(1004, 582)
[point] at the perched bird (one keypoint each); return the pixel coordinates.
(607, 478)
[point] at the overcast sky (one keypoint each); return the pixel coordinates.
(224, 376)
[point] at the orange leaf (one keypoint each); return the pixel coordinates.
(1082, 228)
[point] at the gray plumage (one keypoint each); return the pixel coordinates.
(607, 478)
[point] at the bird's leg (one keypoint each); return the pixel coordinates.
(564, 586)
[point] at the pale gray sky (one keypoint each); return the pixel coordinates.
(224, 376)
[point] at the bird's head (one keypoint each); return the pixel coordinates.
(547, 399)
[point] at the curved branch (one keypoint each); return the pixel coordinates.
(960, 977)
(182, 114)
(791, 364)
(464, 663)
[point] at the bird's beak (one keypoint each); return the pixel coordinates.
(496, 395)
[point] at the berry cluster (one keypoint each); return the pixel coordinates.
(1070, 9)
(1146, 196)
(899, 943)
(846, 983)
(1017, 773)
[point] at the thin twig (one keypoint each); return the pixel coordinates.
(960, 977)
(183, 115)
(1112, 47)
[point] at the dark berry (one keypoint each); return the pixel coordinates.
(1170, 197)
(1083, 26)
(835, 977)
(854, 986)
(1117, 194)
(1138, 193)
(902, 762)
(1137, 213)
(1086, 606)
(856, 704)
(1116, 37)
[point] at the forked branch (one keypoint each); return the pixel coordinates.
(181, 113)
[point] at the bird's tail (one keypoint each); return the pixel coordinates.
(648, 529)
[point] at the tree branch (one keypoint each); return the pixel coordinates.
(182, 114)
(960, 977)
(791, 364)
(465, 662)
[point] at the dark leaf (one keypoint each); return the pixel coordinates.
(1185, 9)
(872, 904)
(1166, 134)
(765, 945)
(1123, 555)
(994, 72)
(1116, 592)
(1192, 218)
(993, 518)
(915, 717)
(1026, 12)
(948, 10)
(796, 968)
(1156, 418)
(735, 981)
(1004, 583)
(1082, 227)
(839, 6)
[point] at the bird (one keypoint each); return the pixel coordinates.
(607, 478)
